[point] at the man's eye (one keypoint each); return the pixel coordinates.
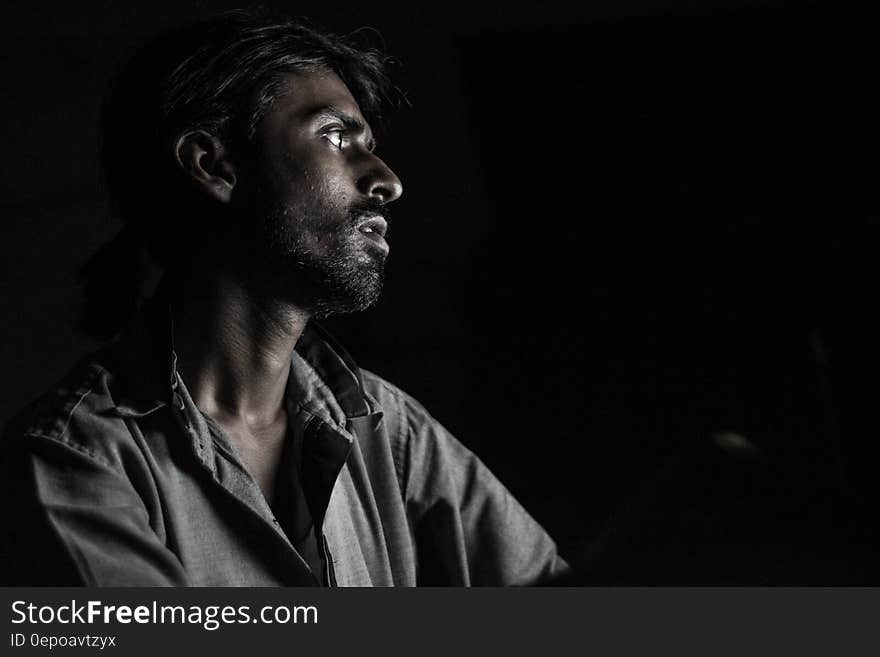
(336, 137)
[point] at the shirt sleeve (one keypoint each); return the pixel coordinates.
(468, 528)
(73, 519)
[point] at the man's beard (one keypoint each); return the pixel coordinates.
(318, 264)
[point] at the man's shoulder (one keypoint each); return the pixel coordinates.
(78, 411)
(398, 406)
(405, 417)
(410, 425)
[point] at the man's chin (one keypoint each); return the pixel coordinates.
(344, 305)
(344, 291)
(347, 281)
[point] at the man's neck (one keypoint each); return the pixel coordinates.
(234, 347)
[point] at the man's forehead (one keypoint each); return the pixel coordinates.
(308, 94)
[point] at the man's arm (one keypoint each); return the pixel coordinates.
(468, 528)
(71, 518)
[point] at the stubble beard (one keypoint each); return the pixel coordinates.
(319, 265)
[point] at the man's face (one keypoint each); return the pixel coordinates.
(313, 200)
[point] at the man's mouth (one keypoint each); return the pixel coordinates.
(373, 227)
(372, 224)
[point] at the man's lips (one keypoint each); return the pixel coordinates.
(372, 225)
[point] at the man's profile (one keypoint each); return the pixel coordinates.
(222, 437)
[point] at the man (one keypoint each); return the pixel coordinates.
(224, 438)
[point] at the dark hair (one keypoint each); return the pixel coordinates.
(220, 75)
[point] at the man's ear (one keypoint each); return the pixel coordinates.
(205, 161)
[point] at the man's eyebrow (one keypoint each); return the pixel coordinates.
(351, 123)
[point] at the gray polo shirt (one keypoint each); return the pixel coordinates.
(116, 478)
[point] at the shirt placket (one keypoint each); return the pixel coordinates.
(325, 451)
(234, 480)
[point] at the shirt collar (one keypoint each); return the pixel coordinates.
(142, 363)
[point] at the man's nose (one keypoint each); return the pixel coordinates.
(380, 182)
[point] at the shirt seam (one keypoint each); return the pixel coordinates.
(61, 440)
(399, 447)
(48, 425)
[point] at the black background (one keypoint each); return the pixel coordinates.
(633, 267)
